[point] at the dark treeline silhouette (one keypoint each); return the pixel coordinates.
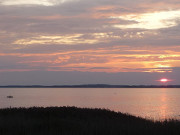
(91, 86)
(79, 121)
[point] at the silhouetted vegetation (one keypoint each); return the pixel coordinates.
(77, 121)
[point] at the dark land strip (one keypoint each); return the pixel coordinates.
(91, 86)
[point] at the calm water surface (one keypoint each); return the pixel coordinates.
(154, 103)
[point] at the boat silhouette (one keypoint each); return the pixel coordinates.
(9, 96)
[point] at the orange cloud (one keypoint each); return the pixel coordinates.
(108, 59)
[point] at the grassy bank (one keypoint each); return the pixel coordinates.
(76, 121)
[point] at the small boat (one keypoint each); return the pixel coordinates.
(9, 96)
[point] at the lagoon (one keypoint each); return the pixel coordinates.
(151, 103)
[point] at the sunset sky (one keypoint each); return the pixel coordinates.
(56, 42)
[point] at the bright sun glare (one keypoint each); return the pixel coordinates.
(164, 80)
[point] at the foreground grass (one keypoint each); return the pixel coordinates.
(77, 121)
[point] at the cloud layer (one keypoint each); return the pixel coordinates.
(90, 36)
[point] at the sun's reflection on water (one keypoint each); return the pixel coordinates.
(164, 104)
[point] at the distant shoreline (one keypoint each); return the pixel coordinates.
(91, 86)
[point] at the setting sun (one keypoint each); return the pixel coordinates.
(164, 80)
